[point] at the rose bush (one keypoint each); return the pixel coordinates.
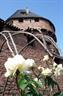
(28, 81)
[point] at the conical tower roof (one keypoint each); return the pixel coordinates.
(26, 14)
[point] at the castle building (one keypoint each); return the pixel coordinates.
(26, 21)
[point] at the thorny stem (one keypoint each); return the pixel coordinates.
(17, 82)
(20, 90)
(58, 87)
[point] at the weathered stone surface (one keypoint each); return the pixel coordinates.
(37, 52)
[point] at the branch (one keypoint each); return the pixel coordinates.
(8, 44)
(42, 37)
(22, 32)
(51, 40)
(26, 45)
(14, 45)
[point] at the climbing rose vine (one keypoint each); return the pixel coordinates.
(30, 82)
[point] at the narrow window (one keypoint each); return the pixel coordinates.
(36, 19)
(23, 12)
(20, 20)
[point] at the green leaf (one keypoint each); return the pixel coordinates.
(22, 84)
(40, 94)
(61, 94)
(29, 95)
(32, 90)
(37, 83)
(50, 81)
(58, 94)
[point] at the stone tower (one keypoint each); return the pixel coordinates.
(27, 21)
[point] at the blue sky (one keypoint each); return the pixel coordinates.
(51, 9)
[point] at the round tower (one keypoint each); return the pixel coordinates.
(25, 19)
(37, 38)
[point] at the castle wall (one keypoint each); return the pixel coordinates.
(28, 52)
(35, 52)
(32, 24)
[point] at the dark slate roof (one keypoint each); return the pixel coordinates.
(1, 24)
(1, 20)
(58, 59)
(25, 14)
(4, 24)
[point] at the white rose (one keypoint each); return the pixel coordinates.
(39, 81)
(54, 65)
(46, 58)
(39, 67)
(12, 64)
(59, 70)
(8, 73)
(35, 79)
(46, 72)
(27, 65)
(17, 62)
